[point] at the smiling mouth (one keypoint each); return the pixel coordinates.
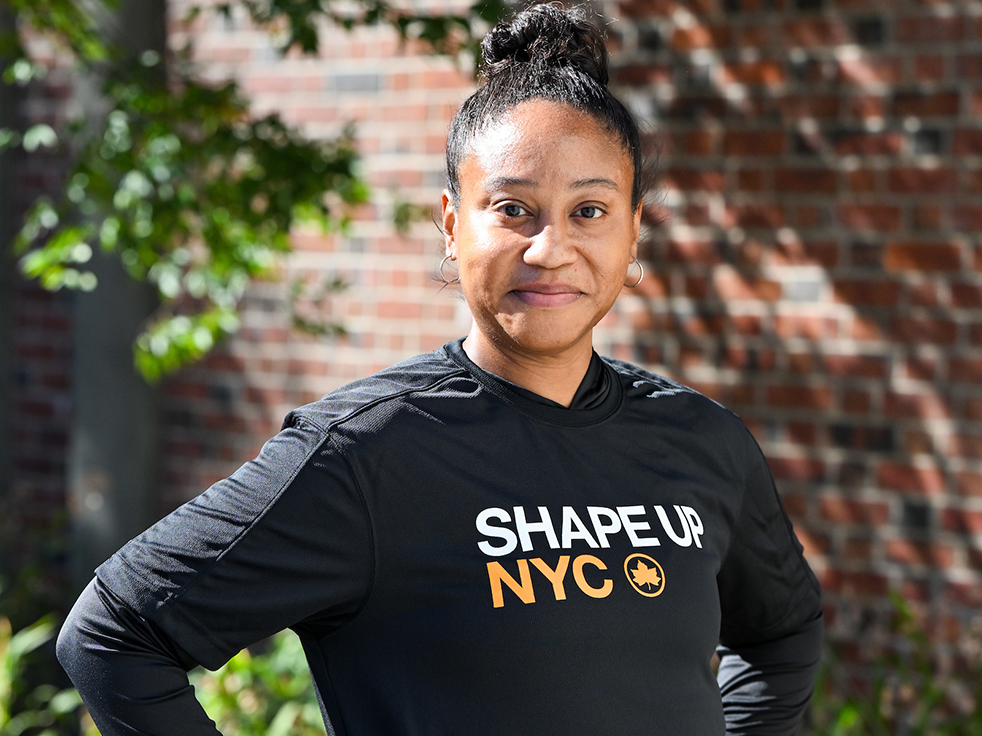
(547, 295)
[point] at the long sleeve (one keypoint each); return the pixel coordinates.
(283, 542)
(771, 627)
(131, 677)
(766, 687)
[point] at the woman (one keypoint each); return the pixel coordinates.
(507, 536)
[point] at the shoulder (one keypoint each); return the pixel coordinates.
(419, 374)
(676, 403)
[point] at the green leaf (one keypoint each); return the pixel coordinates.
(38, 136)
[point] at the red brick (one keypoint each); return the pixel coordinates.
(911, 479)
(919, 553)
(924, 330)
(921, 369)
(399, 310)
(968, 483)
(862, 180)
(700, 37)
(805, 180)
(865, 71)
(867, 105)
(967, 296)
(753, 143)
(699, 142)
(967, 217)
(919, 406)
(794, 325)
(854, 583)
(969, 66)
(962, 521)
(814, 31)
(750, 180)
(797, 468)
(856, 401)
(802, 397)
(929, 29)
(755, 215)
(922, 181)
(966, 594)
(966, 445)
(940, 256)
(817, 105)
(748, 324)
(967, 141)
(807, 216)
(966, 370)
(639, 75)
(930, 68)
(763, 72)
(923, 294)
(755, 36)
(869, 144)
(864, 366)
(927, 217)
(693, 251)
(692, 179)
(869, 217)
(848, 511)
(854, 548)
(925, 104)
(813, 543)
(866, 292)
(703, 324)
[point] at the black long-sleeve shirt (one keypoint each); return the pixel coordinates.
(459, 557)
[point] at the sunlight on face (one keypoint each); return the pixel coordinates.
(545, 231)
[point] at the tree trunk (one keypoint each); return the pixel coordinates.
(114, 456)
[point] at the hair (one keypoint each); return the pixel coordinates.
(544, 52)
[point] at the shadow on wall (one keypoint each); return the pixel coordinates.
(819, 273)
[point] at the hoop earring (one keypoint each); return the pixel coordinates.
(640, 275)
(443, 276)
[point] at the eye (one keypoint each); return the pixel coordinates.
(511, 209)
(590, 212)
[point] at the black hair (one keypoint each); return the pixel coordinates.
(544, 52)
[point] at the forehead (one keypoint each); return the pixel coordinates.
(544, 139)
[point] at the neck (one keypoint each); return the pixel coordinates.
(554, 376)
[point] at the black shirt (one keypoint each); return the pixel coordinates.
(461, 557)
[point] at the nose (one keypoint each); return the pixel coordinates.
(551, 247)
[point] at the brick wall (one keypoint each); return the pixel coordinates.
(818, 270)
(37, 418)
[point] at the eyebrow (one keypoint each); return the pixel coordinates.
(503, 182)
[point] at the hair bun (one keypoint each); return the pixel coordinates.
(546, 35)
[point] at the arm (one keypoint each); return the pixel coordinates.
(132, 678)
(766, 687)
(771, 628)
(283, 542)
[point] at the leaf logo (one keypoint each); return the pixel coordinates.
(645, 575)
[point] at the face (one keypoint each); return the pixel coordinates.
(544, 231)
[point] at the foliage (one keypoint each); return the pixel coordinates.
(920, 686)
(262, 694)
(178, 180)
(43, 708)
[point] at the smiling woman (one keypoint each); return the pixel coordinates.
(544, 230)
(509, 535)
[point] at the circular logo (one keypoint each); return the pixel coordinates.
(645, 575)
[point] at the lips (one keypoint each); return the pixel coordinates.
(547, 295)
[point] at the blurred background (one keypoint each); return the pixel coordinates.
(212, 212)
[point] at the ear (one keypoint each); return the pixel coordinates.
(449, 223)
(637, 230)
